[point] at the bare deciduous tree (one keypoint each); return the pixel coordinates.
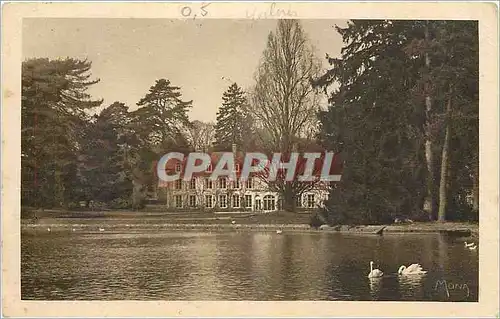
(201, 135)
(283, 102)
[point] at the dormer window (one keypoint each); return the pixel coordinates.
(237, 167)
(209, 168)
(178, 184)
(249, 183)
(208, 183)
(178, 167)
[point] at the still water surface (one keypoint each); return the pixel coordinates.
(243, 266)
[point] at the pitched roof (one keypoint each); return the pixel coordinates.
(335, 167)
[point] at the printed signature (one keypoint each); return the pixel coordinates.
(447, 287)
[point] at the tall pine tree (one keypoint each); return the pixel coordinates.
(53, 114)
(229, 128)
(373, 123)
(162, 114)
(159, 124)
(390, 72)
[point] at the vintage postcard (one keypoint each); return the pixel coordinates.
(250, 159)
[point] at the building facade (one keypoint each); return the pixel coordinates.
(225, 194)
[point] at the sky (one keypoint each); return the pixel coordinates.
(203, 57)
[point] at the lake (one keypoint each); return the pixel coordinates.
(244, 265)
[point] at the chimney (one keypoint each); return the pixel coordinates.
(234, 148)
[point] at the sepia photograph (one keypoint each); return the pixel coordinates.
(266, 156)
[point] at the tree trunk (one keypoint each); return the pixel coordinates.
(58, 188)
(288, 197)
(444, 166)
(475, 189)
(430, 202)
(137, 188)
(137, 195)
(430, 199)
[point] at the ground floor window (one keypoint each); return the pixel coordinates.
(223, 201)
(236, 201)
(310, 201)
(178, 201)
(269, 202)
(248, 201)
(192, 200)
(208, 201)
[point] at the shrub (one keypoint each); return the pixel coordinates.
(316, 220)
(119, 203)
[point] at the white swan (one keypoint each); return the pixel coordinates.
(374, 273)
(473, 247)
(48, 229)
(469, 245)
(279, 231)
(233, 222)
(413, 269)
(101, 229)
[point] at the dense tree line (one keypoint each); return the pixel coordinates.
(69, 156)
(405, 118)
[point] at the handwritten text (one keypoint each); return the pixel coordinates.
(272, 12)
(194, 11)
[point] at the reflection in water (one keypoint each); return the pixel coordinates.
(411, 286)
(375, 285)
(241, 266)
(442, 251)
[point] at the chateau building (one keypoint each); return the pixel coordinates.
(226, 194)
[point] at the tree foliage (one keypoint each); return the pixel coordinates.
(104, 172)
(232, 125)
(162, 113)
(378, 117)
(70, 156)
(201, 135)
(53, 112)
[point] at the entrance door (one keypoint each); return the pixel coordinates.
(258, 204)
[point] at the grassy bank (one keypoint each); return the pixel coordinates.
(286, 221)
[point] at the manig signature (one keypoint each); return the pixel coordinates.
(443, 285)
